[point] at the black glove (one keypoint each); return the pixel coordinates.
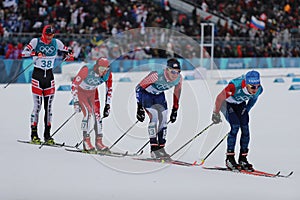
(106, 110)
(140, 114)
(39, 54)
(173, 115)
(216, 118)
(69, 56)
(77, 107)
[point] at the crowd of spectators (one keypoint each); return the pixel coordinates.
(99, 19)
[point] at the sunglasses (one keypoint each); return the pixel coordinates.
(173, 71)
(253, 87)
(102, 69)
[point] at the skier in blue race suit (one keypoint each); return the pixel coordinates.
(235, 101)
(151, 98)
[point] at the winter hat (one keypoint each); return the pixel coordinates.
(103, 62)
(173, 63)
(252, 77)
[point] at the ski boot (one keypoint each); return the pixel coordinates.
(159, 153)
(243, 162)
(34, 136)
(48, 139)
(231, 163)
(35, 140)
(87, 145)
(99, 144)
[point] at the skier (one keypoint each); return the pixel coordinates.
(44, 51)
(85, 96)
(235, 101)
(151, 98)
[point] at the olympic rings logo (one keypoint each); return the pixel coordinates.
(47, 49)
(93, 81)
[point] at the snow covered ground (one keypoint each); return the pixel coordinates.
(29, 173)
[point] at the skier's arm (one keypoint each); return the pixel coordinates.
(68, 53)
(228, 91)
(252, 101)
(147, 81)
(28, 51)
(82, 74)
(176, 94)
(108, 89)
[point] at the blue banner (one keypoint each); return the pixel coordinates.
(9, 69)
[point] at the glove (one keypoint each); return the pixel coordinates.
(38, 54)
(216, 118)
(77, 107)
(106, 110)
(140, 114)
(173, 115)
(69, 56)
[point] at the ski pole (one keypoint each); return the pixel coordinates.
(203, 160)
(79, 143)
(123, 134)
(141, 149)
(59, 64)
(58, 129)
(11, 81)
(192, 139)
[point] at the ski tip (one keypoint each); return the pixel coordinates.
(287, 176)
(290, 173)
(278, 173)
(194, 163)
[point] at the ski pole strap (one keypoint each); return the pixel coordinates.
(192, 139)
(57, 129)
(123, 135)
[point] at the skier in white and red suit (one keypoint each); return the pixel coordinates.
(85, 96)
(44, 52)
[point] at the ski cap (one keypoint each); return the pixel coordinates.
(47, 30)
(173, 63)
(252, 77)
(102, 62)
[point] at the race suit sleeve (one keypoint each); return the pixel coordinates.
(147, 81)
(176, 94)
(228, 91)
(82, 74)
(108, 89)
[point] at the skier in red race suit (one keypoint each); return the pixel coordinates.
(44, 51)
(85, 96)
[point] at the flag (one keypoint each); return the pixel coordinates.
(257, 24)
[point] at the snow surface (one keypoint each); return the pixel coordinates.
(28, 172)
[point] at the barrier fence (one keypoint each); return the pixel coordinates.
(10, 68)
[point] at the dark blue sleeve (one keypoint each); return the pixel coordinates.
(138, 94)
(253, 100)
(251, 103)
